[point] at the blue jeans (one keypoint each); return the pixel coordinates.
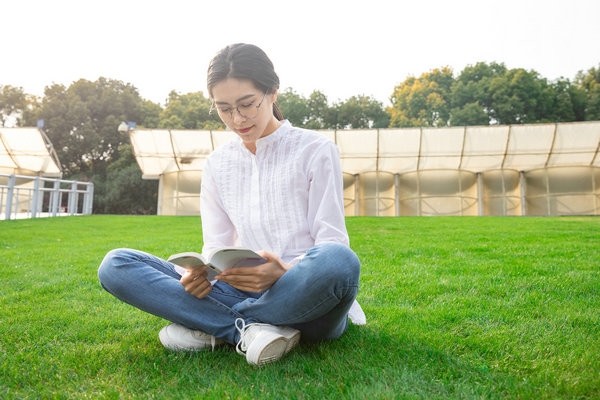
(314, 296)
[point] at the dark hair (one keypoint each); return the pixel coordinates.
(244, 61)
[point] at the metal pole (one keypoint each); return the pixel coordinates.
(88, 198)
(159, 200)
(73, 197)
(397, 193)
(9, 199)
(54, 198)
(480, 194)
(356, 195)
(522, 185)
(36, 196)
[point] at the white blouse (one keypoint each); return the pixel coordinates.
(286, 198)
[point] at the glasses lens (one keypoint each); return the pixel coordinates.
(248, 112)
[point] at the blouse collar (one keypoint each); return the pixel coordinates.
(272, 138)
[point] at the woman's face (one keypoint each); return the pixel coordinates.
(245, 110)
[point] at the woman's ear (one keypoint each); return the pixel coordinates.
(274, 95)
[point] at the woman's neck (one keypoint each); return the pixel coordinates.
(271, 127)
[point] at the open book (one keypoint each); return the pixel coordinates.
(219, 260)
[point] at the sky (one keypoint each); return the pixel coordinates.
(342, 48)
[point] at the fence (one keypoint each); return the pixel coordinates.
(24, 196)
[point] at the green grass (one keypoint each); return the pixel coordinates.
(457, 308)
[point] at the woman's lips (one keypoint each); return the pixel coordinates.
(245, 130)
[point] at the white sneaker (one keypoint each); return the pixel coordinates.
(264, 343)
(179, 338)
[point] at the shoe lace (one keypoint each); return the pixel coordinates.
(243, 328)
(241, 344)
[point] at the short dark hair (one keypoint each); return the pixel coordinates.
(244, 61)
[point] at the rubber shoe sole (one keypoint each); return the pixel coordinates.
(181, 343)
(269, 347)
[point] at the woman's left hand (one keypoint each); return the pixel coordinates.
(256, 279)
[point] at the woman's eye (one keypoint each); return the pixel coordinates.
(246, 106)
(225, 109)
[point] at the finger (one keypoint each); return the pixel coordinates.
(246, 271)
(192, 275)
(202, 290)
(249, 288)
(240, 279)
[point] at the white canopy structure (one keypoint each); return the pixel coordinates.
(538, 169)
(29, 184)
(27, 151)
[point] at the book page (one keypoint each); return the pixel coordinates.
(188, 260)
(235, 257)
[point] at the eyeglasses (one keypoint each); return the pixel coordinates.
(246, 111)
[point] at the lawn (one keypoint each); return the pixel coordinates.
(457, 307)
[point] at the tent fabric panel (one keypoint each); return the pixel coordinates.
(442, 142)
(485, 140)
(399, 149)
(441, 148)
(394, 143)
(523, 162)
(576, 137)
(357, 143)
(358, 150)
(481, 163)
(222, 137)
(26, 149)
(152, 143)
(191, 143)
(329, 134)
(531, 139)
(6, 161)
(399, 164)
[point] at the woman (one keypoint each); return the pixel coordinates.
(275, 188)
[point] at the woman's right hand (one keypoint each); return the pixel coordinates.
(195, 283)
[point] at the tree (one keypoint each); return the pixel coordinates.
(124, 191)
(13, 102)
(294, 107)
(82, 121)
(360, 112)
(423, 101)
(519, 97)
(569, 102)
(319, 115)
(471, 96)
(492, 94)
(189, 111)
(589, 83)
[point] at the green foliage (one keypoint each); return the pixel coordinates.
(82, 121)
(457, 308)
(360, 112)
(294, 107)
(189, 111)
(125, 192)
(589, 82)
(485, 94)
(13, 102)
(423, 101)
(356, 112)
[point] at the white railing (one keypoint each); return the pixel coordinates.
(24, 196)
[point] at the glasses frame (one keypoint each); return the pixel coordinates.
(230, 112)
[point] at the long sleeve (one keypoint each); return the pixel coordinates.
(326, 197)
